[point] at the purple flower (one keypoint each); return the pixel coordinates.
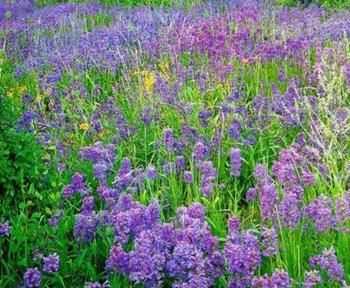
(268, 200)
(5, 229)
(328, 262)
(200, 151)
(77, 185)
(188, 177)
(180, 163)
(320, 212)
(88, 205)
(261, 173)
(97, 285)
(342, 209)
(169, 140)
(92, 285)
(235, 162)
(51, 263)
(204, 117)
(235, 130)
(151, 172)
(32, 278)
(269, 242)
(55, 218)
(208, 177)
(251, 194)
(85, 227)
(118, 260)
(242, 254)
(278, 279)
(312, 279)
(289, 210)
(98, 153)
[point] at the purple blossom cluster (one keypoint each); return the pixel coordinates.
(279, 278)
(207, 52)
(51, 263)
(235, 161)
(320, 212)
(102, 158)
(266, 191)
(32, 278)
(184, 250)
(77, 186)
(242, 254)
(327, 261)
(5, 229)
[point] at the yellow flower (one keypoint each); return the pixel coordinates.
(22, 89)
(164, 68)
(149, 79)
(84, 126)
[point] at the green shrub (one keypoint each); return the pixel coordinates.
(21, 156)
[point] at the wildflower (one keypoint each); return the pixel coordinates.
(149, 79)
(269, 242)
(200, 151)
(169, 140)
(328, 262)
(84, 126)
(320, 211)
(85, 227)
(5, 229)
(235, 161)
(312, 279)
(235, 130)
(32, 278)
(268, 199)
(51, 263)
(151, 172)
(188, 177)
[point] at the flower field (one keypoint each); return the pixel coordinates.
(185, 145)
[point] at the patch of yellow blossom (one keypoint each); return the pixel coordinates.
(84, 126)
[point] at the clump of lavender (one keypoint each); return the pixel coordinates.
(5, 229)
(51, 263)
(188, 177)
(320, 212)
(242, 254)
(289, 210)
(235, 130)
(312, 279)
(85, 227)
(268, 201)
(32, 278)
(77, 185)
(151, 172)
(342, 209)
(266, 191)
(200, 152)
(102, 158)
(184, 251)
(328, 262)
(269, 242)
(279, 278)
(235, 162)
(208, 177)
(169, 140)
(130, 218)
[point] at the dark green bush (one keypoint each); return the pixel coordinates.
(21, 156)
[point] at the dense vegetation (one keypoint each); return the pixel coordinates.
(201, 144)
